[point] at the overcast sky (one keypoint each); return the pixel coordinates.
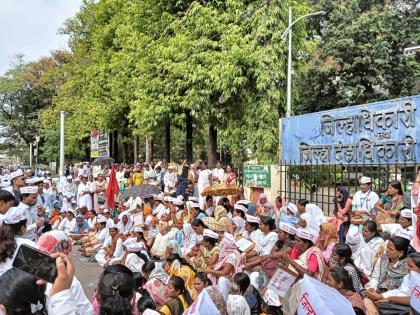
(30, 27)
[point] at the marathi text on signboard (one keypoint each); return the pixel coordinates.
(99, 144)
(257, 176)
(383, 132)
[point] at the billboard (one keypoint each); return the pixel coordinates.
(383, 132)
(99, 143)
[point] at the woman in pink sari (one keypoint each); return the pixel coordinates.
(157, 280)
(230, 178)
(306, 258)
(342, 207)
(228, 264)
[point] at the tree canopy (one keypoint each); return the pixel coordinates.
(212, 72)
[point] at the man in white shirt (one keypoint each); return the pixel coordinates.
(218, 173)
(29, 197)
(6, 201)
(159, 209)
(149, 175)
(204, 180)
(80, 171)
(169, 180)
(120, 174)
(109, 220)
(17, 179)
(364, 200)
(68, 191)
(84, 194)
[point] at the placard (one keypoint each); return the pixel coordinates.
(281, 281)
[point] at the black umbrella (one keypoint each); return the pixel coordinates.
(142, 191)
(103, 160)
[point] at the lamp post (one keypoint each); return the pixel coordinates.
(289, 57)
(61, 171)
(30, 154)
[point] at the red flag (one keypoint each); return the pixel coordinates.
(112, 189)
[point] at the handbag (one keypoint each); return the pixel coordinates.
(393, 309)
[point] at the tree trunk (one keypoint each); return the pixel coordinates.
(125, 152)
(149, 149)
(167, 145)
(110, 145)
(115, 153)
(188, 137)
(135, 149)
(212, 156)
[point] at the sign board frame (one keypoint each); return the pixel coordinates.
(257, 176)
(384, 132)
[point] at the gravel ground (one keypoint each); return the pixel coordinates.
(88, 273)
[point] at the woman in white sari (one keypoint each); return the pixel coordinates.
(166, 233)
(362, 255)
(135, 255)
(124, 225)
(263, 248)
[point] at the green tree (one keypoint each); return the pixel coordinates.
(25, 90)
(360, 57)
(144, 68)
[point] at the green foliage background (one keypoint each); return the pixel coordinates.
(135, 67)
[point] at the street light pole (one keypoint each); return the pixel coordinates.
(289, 57)
(61, 171)
(289, 68)
(30, 155)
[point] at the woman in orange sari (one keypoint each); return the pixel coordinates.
(328, 238)
(55, 215)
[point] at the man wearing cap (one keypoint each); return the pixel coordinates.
(84, 192)
(404, 223)
(46, 194)
(29, 173)
(68, 192)
(14, 216)
(29, 197)
(159, 209)
(109, 220)
(364, 200)
(39, 183)
(17, 179)
(169, 180)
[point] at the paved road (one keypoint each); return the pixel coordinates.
(88, 273)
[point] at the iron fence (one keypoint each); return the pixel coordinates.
(318, 183)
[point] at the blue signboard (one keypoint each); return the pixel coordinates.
(383, 132)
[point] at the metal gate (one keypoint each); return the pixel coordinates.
(318, 183)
